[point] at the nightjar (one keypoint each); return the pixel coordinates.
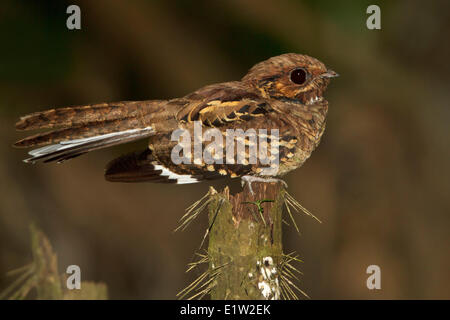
(283, 94)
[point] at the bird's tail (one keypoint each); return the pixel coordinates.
(80, 129)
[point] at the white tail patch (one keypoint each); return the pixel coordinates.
(181, 178)
(71, 147)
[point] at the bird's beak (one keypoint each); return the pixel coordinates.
(329, 74)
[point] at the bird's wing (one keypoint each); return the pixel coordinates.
(224, 104)
(144, 167)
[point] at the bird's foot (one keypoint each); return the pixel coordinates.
(250, 179)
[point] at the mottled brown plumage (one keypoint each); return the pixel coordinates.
(283, 92)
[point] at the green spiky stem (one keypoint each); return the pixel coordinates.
(249, 247)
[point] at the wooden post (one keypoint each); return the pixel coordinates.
(245, 256)
(245, 247)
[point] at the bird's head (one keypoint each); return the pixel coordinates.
(291, 77)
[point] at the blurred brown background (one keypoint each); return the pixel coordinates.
(379, 181)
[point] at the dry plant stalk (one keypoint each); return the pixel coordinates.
(42, 275)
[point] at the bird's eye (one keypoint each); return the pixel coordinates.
(298, 76)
